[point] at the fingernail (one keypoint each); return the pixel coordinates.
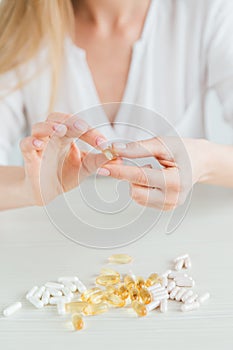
(103, 172)
(38, 143)
(81, 125)
(119, 145)
(60, 128)
(102, 143)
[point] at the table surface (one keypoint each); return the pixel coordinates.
(32, 251)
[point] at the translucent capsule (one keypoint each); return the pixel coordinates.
(109, 153)
(95, 309)
(108, 271)
(140, 309)
(145, 296)
(120, 259)
(115, 300)
(106, 280)
(153, 279)
(140, 282)
(129, 282)
(75, 306)
(77, 322)
(97, 297)
(87, 294)
(134, 294)
(123, 292)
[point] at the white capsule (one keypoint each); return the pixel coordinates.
(11, 309)
(174, 274)
(36, 302)
(160, 296)
(171, 285)
(187, 263)
(181, 257)
(163, 305)
(55, 300)
(31, 292)
(191, 299)
(166, 273)
(164, 281)
(190, 307)
(179, 265)
(81, 287)
(54, 285)
(153, 305)
(66, 291)
(184, 282)
(45, 297)
(186, 295)
(179, 295)
(156, 286)
(61, 308)
(54, 292)
(72, 287)
(67, 279)
(39, 292)
(203, 298)
(174, 292)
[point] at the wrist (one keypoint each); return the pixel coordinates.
(209, 161)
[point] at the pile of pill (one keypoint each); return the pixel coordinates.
(111, 290)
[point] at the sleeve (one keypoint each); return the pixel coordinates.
(13, 123)
(219, 35)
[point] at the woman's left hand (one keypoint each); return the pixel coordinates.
(183, 163)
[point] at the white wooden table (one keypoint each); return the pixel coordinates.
(32, 252)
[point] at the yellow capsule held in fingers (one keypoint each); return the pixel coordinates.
(109, 153)
(107, 280)
(95, 309)
(75, 306)
(85, 296)
(120, 259)
(77, 322)
(153, 279)
(145, 296)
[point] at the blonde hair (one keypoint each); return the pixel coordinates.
(27, 24)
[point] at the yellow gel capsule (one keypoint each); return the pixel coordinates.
(140, 309)
(115, 300)
(95, 309)
(145, 296)
(120, 259)
(75, 306)
(77, 322)
(108, 271)
(109, 153)
(140, 282)
(97, 297)
(123, 292)
(153, 279)
(129, 282)
(107, 280)
(134, 294)
(110, 290)
(89, 292)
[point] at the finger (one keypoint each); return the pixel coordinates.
(47, 129)
(30, 145)
(154, 147)
(137, 175)
(78, 128)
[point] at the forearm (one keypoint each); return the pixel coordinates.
(13, 193)
(219, 165)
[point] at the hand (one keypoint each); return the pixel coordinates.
(183, 163)
(53, 164)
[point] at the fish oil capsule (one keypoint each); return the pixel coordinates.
(190, 307)
(203, 298)
(108, 271)
(139, 283)
(129, 282)
(77, 322)
(109, 153)
(31, 292)
(95, 309)
(120, 259)
(145, 296)
(11, 309)
(153, 279)
(115, 300)
(106, 280)
(163, 305)
(75, 306)
(140, 309)
(97, 297)
(123, 292)
(134, 294)
(87, 294)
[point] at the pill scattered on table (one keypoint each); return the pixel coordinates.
(145, 294)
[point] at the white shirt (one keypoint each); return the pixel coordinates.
(185, 49)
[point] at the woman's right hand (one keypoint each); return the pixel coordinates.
(52, 162)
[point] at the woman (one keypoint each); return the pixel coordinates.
(163, 55)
